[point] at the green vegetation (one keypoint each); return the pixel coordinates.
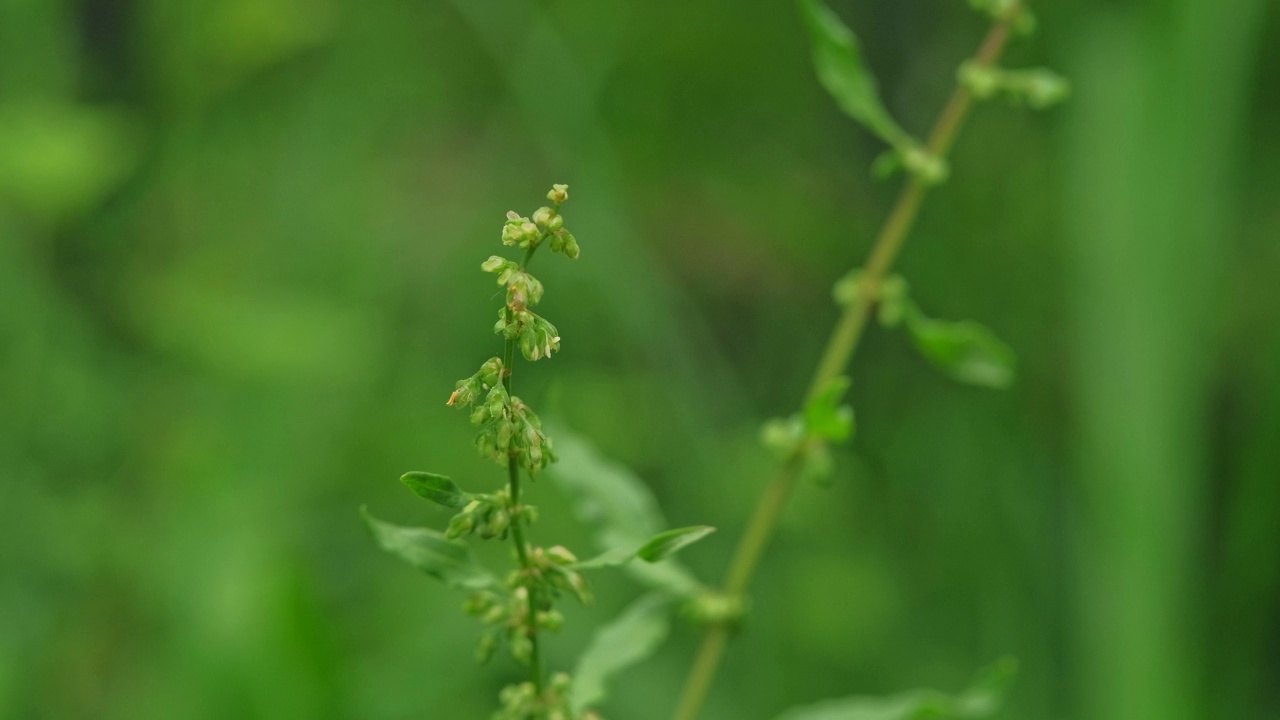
(239, 244)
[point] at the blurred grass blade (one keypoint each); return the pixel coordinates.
(838, 62)
(632, 637)
(429, 551)
(436, 488)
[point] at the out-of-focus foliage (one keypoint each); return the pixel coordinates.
(234, 237)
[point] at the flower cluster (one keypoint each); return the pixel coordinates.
(535, 337)
(490, 515)
(508, 427)
(522, 702)
(1038, 88)
(508, 616)
(546, 223)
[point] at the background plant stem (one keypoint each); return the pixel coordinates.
(835, 358)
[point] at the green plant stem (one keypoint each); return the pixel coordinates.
(517, 529)
(835, 358)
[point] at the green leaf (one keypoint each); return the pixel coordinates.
(666, 544)
(656, 549)
(965, 350)
(825, 417)
(429, 551)
(981, 700)
(436, 488)
(842, 71)
(619, 505)
(632, 637)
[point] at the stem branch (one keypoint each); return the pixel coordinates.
(835, 358)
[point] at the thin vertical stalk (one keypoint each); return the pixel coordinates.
(517, 529)
(835, 358)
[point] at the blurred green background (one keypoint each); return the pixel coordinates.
(239, 248)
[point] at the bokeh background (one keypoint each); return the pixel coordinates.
(239, 248)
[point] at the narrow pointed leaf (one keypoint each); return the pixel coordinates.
(436, 488)
(837, 59)
(429, 551)
(666, 544)
(632, 637)
(656, 549)
(965, 350)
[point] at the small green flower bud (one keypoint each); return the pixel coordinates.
(522, 649)
(494, 615)
(1044, 88)
(486, 647)
(519, 231)
(548, 220)
(528, 514)
(461, 524)
(494, 263)
(498, 524)
(714, 607)
(930, 169)
(571, 246)
(981, 81)
(560, 555)
(560, 683)
(551, 620)
(558, 193)
(846, 288)
(478, 603)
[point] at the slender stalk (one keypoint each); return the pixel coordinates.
(835, 358)
(517, 529)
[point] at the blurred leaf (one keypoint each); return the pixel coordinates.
(671, 542)
(429, 551)
(61, 158)
(656, 549)
(825, 417)
(631, 638)
(436, 488)
(619, 504)
(982, 700)
(965, 350)
(842, 71)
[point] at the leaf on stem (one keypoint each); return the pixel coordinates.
(656, 549)
(630, 638)
(611, 498)
(981, 700)
(965, 350)
(436, 488)
(431, 552)
(825, 417)
(842, 71)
